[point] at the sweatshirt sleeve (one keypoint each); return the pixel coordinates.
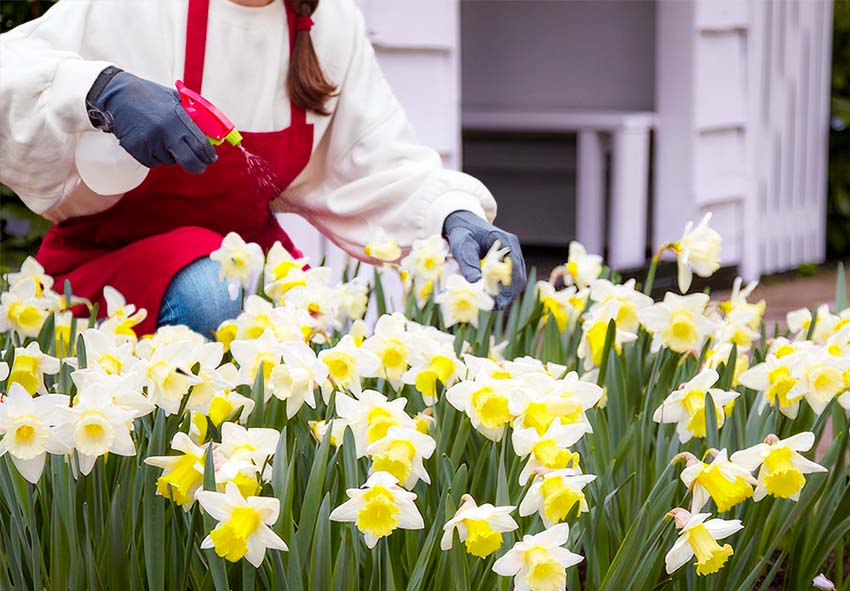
(369, 171)
(43, 85)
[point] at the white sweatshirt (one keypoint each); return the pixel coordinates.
(367, 169)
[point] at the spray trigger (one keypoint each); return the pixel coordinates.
(215, 125)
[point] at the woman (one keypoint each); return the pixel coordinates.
(301, 78)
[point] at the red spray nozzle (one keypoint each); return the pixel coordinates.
(215, 125)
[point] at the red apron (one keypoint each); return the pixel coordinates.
(174, 218)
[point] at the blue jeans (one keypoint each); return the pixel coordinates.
(197, 298)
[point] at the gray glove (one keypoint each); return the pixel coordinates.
(149, 121)
(470, 238)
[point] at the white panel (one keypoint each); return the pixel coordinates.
(412, 23)
(721, 14)
(720, 80)
(721, 166)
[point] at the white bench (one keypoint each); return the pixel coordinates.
(626, 135)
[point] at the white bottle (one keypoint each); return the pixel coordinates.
(105, 167)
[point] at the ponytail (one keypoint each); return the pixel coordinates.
(306, 83)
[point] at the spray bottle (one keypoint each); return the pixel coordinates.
(107, 169)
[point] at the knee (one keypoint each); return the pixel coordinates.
(197, 298)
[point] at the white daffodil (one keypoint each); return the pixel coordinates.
(346, 363)
(556, 495)
(581, 268)
(390, 343)
(255, 353)
(735, 328)
(686, 405)
(595, 330)
(241, 264)
(22, 311)
(169, 377)
(698, 251)
(549, 451)
(564, 305)
(27, 426)
(243, 528)
(114, 357)
(378, 508)
(121, 317)
(628, 301)
(169, 335)
(400, 452)
(282, 272)
(353, 299)
(821, 377)
(799, 322)
(434, 362)
(125, 389)
(371, 416)
(678, 322)
(699, 538)
(782, 466)
(486, 403)
(255, 446)
(775, 380)
(539, 562)
(719, 354)
(182, 475)
(581, 394)
(319, 302)
(31, 272)
(480, 528)
(496, 268)
(426, 263)
(461, 301)
(727, 483)
(95, 426)
(538, 408)
(382, 247)
(296, 380)
(30, 366)
(737, 304)
(215, 396)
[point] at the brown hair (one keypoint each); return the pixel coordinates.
(306, 82)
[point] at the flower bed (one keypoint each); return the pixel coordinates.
(590, 438)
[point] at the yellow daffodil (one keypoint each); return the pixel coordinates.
(539, 562)
(22, 312)
(253, 354)
(168, 376)
(382, 247)
(461, 301)
(480, 528)
(121, 316)
(27, 429)
(549, 451)
(776, 379)
(30, 366)
(346, 363)
(426, 263)
(433, 363)
(496, 268)
(485, 402)
(564, 305)
(371, 416)
(595, 330)
(182, 475)
(282, 272)
(738, 306)
(782, 467)
(400, 452)
(378, 508)
(581, 268)
(821, 377)
(698, 538)
(626, 299)
(727, 483)
(678, 322)
(243, 529)
(719, 354)
(391, 344)
(698, 251)
(556, 495)
(686, 405)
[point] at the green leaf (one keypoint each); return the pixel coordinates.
(840, 288)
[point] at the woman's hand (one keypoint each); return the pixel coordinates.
(149, 121)
(470, 238)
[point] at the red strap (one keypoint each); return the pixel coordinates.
(196, 45)
(303, 23)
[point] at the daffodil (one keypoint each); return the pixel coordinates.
(371, 416)
(626, 299)
(400, 452)
(782, 466)
(480, 528)
(563, 305)
(581, 268)
(256, 446)
(727, 483)
(580, 394)
(698, 251)
(737, 304)
(779, 386)
(243, 529)
(549, 451)
(121, 317)
(113, 356)
(125, 389)
(718, 355)
(486, 403)
(425, 265)
(686, 405)
(378, 508)
(461, 301)
(241, 264)
(27, 426)
(22, 312)
(182, 475)
(678, 322)
(496, 268)
(346, 363)
(390, 343)
(95, 426)
(33, 273)
(799, 322)
(296, 380)
(698, 538)
(168, 375)
(282, 272)
(251, 355)
(539, 562)
(30, 366)
(821, 377)
(353, 299)
(556, 495)
(434, 363)
(595, 331)
(382, 247)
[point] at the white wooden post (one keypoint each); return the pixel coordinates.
(629, 202)
(590, 191)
